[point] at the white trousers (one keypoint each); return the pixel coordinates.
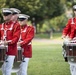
(7, 65)
(72, 68)
(23, 67)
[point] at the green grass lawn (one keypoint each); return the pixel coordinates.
(47, 60)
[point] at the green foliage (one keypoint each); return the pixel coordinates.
(56, 23)
(45, 26)
(41, 10)
(69, 5)
(38, 8)
(2, 3)
(42, 36)
(48, 36)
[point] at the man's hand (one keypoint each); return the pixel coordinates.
(63, 36)
(18, 44)
(0, 42)
(5, 43)
(69, 39)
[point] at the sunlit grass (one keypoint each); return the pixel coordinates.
(48, 60)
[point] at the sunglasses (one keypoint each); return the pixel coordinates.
(74, 9)
(21, 19)
(14, 13)
(6, 13)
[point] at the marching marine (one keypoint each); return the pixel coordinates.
(9, 34)
(69, 36)
(25, 42)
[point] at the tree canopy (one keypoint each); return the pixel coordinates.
(36, 8)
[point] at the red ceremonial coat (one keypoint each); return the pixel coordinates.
(12, 33)
(27, 34)
(69, 29)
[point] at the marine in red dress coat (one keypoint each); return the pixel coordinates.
(67, 31)
(27, 34)
(9, 34)
(12, 29)
(71, 30)
(12, 34)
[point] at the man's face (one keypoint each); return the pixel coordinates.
(14, 17)
(7, 16)
(22, 22)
